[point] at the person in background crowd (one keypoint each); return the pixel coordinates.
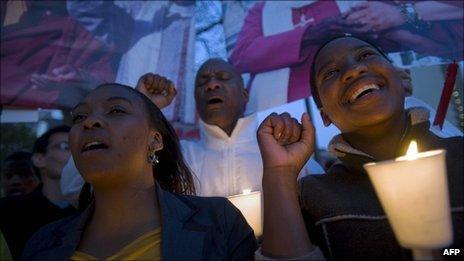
(23, 215)
(362, 93)
(141, 208)
(226, 158)
(18, 174)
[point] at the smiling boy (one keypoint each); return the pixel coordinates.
(362, 93)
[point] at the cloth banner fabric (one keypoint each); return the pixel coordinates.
(275, 41)
(54, 52)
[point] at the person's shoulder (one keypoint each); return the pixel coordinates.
(15, 203)
(9, 201)
(17, 198)
(456, 140)
(311, 182)
(455, 143)
(449, 143)
(209, 205)
(49, 234)
(53, 228)
(228, 222)
(205, 210)
(324, 186)
(336, 172)
(214, 210)
(227, 228)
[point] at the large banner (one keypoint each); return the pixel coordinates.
(54, 52)
(274, 41)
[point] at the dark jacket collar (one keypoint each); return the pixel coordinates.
(180, 240)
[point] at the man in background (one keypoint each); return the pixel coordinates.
(23, 215)
(18, 174)
(226, 159)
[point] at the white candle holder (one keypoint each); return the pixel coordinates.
(413, 191)
(249, 203)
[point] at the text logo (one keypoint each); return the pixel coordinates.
(451, 251)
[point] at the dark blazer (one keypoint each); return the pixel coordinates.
(193, 228)
(21, 216)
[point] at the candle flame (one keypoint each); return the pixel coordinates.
(411, 153)
(246, 191)
(412, 149)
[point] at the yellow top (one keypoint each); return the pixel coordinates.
(146, 247)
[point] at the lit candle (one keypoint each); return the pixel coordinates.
(249, 203)
(413, 191)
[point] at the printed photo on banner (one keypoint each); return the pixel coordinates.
(55, 52)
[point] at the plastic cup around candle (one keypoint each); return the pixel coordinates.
(249, 204)
(413, 192)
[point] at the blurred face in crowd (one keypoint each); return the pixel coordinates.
(18, 178)
(54, 159)
(110, 137)
(219, 94)
(358, 87)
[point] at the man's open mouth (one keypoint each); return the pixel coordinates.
(94, 145)
(363, 91)
(215, 100)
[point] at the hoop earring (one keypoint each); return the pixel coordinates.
(153, 159)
